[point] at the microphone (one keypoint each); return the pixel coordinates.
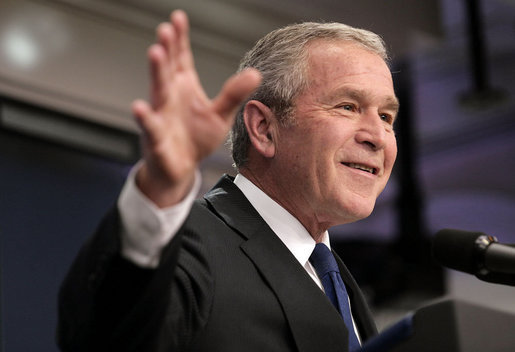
(475, 253)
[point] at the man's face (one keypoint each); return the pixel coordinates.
(336, 159)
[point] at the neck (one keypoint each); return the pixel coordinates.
(304, 214)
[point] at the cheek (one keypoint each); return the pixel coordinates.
(391, 153)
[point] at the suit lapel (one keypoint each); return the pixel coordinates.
(315, 324)
(229, 203)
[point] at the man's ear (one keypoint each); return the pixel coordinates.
(260, 123)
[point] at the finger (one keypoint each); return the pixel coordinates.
(183, 54)
(146, 119)
(159, 73)
(168, 39)
(235, 90)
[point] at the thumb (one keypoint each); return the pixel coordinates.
(235, 90)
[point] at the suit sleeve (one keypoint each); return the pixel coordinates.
(108, 303)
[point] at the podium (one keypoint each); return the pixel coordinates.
(449, 326)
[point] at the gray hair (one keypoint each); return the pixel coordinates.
(281, 58)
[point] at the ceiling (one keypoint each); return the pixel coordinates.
(230, 27)
(245, 21)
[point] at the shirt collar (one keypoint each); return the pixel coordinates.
(289, 230)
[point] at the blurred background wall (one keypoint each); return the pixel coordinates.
(69, 70)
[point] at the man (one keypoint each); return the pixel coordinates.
(314, 146)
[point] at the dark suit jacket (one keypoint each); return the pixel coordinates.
(226, 282)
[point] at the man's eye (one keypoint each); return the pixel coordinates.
(387, 118)
(348, 107)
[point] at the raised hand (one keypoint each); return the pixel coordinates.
(181, 125)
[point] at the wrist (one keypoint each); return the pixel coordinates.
(162, 191)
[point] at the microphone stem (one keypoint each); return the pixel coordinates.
(500, 258)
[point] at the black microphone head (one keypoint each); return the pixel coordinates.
(457, 249)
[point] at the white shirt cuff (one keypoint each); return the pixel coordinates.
(146, 228)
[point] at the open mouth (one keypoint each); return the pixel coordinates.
(361, 167)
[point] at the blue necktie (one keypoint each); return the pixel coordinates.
(327, 269)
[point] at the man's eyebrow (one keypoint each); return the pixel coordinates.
(391, 102)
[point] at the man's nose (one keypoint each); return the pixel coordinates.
(372, 131)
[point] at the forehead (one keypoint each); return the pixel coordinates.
(336, 69)
(336, 59)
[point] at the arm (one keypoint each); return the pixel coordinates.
(180, 127)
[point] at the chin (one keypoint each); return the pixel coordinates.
(356, 212)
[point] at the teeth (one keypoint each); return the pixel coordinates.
(361, 167)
